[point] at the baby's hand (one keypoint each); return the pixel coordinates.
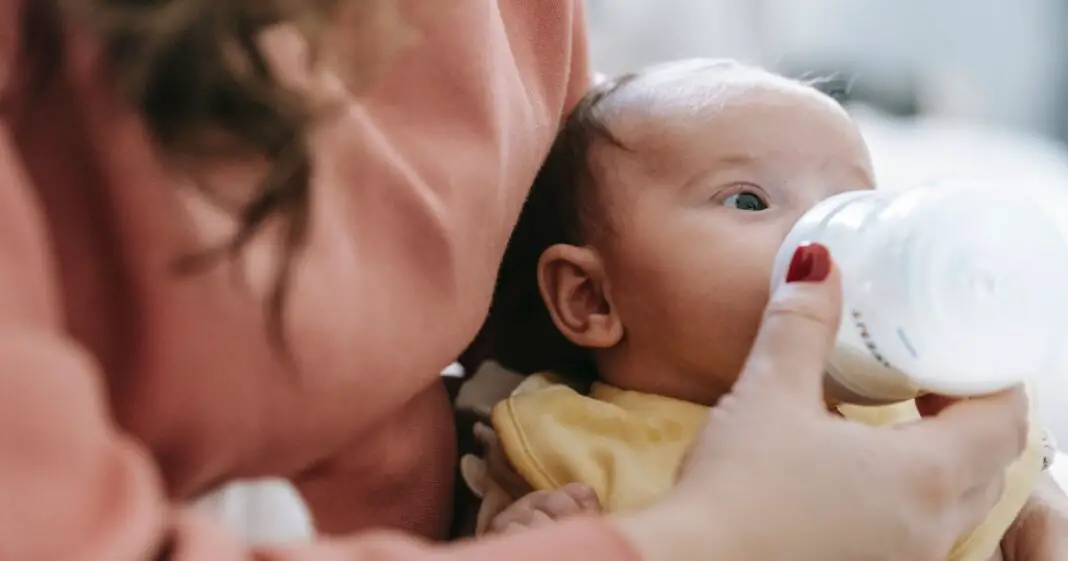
(545, 507)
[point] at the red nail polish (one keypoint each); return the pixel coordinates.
(811, 263)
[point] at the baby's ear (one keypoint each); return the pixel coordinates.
(575, 290)
(475, 475)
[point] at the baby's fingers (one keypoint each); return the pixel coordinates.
(541, 507)
(524, 513)
(568, 500)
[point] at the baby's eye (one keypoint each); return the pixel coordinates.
(746, 200)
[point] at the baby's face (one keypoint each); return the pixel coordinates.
(722, 163)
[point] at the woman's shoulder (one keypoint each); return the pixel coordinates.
(427, 170)
(481, 91)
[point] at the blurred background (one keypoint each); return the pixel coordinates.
(942, 89)
(991, 61)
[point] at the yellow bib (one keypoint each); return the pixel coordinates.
(629, 446)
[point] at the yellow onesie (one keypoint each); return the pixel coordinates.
(628, 447)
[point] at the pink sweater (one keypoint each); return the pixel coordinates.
(125, 391)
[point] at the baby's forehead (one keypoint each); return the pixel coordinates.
(676, 121)
(669, 96)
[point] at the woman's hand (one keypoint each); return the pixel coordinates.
(774, 476)
(1040, 532)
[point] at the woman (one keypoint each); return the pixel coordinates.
(218, 264)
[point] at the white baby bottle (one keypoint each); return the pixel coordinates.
(956, 289)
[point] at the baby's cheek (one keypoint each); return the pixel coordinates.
(698, 304)
(723, 321)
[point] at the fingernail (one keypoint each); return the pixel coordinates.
(811, 263)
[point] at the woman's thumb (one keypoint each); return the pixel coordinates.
(790, 352)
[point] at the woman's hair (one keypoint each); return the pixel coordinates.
(519, 334)
(195, 71)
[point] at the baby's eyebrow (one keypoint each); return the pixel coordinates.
(733, 160)
(717, 165)
(727, 162)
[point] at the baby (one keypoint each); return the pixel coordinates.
(636, 279)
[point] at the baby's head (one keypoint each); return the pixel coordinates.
(644, 253)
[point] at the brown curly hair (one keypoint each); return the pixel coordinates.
(196, 72)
